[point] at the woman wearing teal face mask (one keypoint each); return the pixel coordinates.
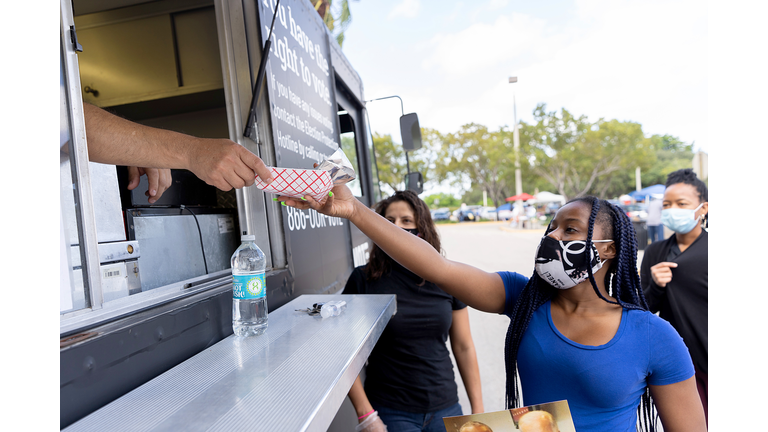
(674, 271)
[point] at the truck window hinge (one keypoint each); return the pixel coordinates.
(73, 37)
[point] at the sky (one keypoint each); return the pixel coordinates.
(450, 61)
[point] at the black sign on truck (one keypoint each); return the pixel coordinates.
(304, 119)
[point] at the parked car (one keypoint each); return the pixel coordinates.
(504, 212)
(465, 214)
(441, 214)
(488, 213)
(636, 212)
(552, 208)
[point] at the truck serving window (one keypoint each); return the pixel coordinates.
(349, 145)
(73, 294)
(159, 66)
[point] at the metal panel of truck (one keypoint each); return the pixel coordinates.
(293, 378)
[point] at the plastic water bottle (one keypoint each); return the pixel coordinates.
(332, 308)
(249, 289)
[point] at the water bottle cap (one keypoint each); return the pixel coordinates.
(249, 237)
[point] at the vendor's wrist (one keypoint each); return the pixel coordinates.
(187, 152)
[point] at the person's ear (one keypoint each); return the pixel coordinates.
(609, 252)
(704, 210)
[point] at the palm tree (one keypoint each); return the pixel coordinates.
(336, 17)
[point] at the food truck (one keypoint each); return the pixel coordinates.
(146, 293)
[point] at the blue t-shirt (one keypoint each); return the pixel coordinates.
(602, 384)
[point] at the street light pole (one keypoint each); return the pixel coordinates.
(402, 111)
(516, 141)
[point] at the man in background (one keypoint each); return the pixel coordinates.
(655, 228)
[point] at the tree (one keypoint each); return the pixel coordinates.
(390, 159)
(336, 16)
(671, 155)
(630, 148)
(577, 157)
(442, 199)
(478, 156)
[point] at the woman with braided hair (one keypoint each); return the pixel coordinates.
(579, 329)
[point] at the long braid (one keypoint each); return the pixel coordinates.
(622, 279)
(536, 293)
(595, 203)
(629, 293)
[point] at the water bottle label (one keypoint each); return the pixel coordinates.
(249, 286)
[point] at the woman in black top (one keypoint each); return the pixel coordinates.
(674, 271)
(409, 379)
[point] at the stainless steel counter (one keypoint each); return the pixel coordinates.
(294, 377)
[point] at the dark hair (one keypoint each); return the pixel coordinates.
(687, 176)
(622, 281)
(379, 263)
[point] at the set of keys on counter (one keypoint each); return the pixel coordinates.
(326, 309)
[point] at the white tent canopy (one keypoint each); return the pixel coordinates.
(547, 197)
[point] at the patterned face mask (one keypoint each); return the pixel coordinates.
(565, 264)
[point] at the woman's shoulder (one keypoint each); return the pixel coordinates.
(513, 279)
(359, 272)
(654, 324)
(514, 283)
(669, 360)
(356, 283)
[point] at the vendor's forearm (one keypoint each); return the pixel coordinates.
(117, 141)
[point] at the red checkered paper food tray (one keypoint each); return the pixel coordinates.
(296, 183)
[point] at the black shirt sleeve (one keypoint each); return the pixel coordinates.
(457, 304)
(356, 282)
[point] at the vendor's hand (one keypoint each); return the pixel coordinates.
(371, 423)
(662, 273)
(159, 181)
(225, 164)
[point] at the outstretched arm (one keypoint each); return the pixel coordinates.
(463, 348)
(219, 162)
(481, 290)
